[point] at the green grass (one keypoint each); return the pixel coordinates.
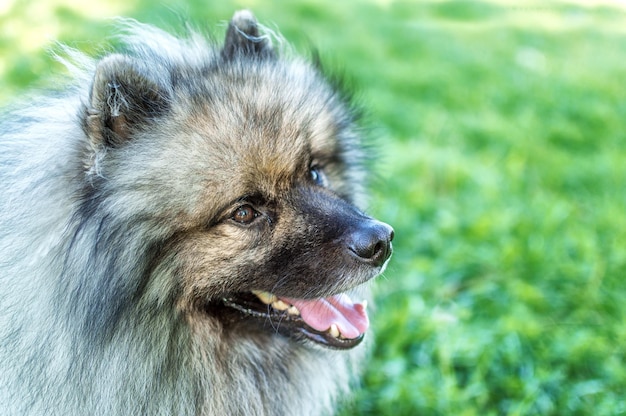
(503, 170)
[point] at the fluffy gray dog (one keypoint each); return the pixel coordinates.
(179, 235)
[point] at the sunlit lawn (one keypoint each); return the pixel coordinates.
(502, 142)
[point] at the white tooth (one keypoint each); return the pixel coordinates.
(265, 297)
(334, 331)
(364, 304)
(292, 310)
(280, 305)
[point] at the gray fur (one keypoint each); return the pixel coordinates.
(111, 233)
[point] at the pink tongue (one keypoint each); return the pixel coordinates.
(350, 318)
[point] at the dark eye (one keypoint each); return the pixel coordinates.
(244, 214)
(317, 176)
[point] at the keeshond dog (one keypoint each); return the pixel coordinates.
(179, 234)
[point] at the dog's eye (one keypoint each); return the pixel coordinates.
(244, 214)
(317, 176)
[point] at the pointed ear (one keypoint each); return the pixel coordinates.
(123, 99)
(243, 38)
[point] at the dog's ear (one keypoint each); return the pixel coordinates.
(123, 99)
(243, 38)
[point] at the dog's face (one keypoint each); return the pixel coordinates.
(253, 166)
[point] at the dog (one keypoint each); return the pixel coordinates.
(180, 234)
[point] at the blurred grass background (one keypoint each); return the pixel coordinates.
(500, 128)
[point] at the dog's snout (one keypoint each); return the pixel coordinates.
(371, 242)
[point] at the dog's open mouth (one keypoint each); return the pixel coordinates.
(334, 322)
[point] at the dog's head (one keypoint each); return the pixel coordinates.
(244, 170)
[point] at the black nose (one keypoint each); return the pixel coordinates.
(371, 242)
